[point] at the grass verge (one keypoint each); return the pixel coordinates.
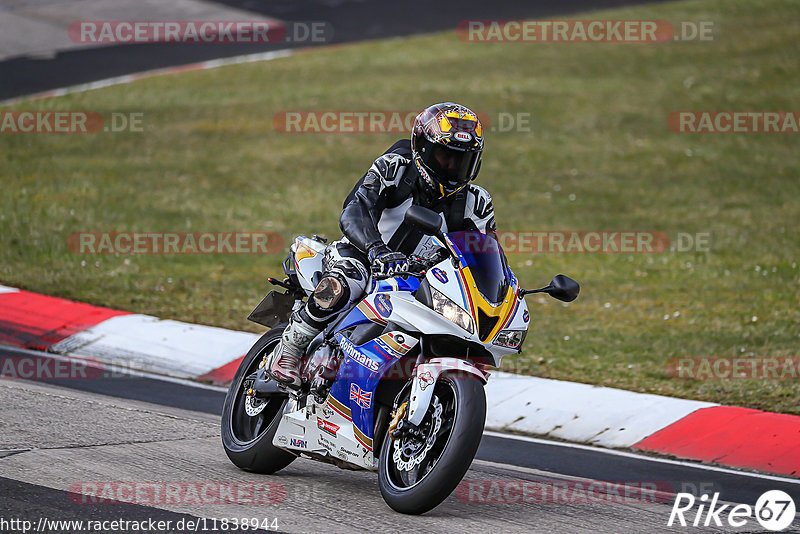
(598, 157)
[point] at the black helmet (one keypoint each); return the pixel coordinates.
(447, 142)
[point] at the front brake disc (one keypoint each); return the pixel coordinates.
(407, 464)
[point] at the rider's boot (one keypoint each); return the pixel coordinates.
(284, 364)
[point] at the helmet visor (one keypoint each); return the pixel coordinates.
(452, 166)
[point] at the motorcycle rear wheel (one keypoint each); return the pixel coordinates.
(248, 439)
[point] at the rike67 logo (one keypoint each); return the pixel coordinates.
(774, 510)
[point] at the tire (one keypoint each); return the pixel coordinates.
(248, 444)
(456, 450)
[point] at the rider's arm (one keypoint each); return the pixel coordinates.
(359, 219)
(479, 212)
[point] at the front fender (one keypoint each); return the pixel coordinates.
(425, 379)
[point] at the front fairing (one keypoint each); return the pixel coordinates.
(483, 256)
(393, 300)
(489, 318)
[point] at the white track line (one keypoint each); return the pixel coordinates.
(529, 439)
(118, 80)
(491, 433)
(635, 456)
(113, 368)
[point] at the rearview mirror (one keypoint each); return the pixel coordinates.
(426, 220)
(562, 288)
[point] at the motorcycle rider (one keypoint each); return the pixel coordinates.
(434, 171)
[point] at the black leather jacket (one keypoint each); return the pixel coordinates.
(374, 216)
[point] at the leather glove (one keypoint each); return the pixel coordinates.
(385, 262)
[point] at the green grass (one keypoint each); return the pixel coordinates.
(210, 160)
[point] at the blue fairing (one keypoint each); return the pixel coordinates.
(409, 284)
(354, 317)
(364, 365)
(486, 261)
(357, 381)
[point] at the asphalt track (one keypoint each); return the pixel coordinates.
(348, 20)
(58, 433)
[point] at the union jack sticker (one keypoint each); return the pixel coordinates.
(362, 398)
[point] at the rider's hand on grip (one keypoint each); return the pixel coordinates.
(386, 263)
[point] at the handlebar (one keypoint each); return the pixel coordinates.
(417, 267)
(403, 274)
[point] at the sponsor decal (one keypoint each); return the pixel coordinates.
(525, 316)
(425, 380)
(362, 398)
(395, 343)
(354, 354)
(348, 453)
(326, 442)
(439, 274)
(327, 426)
(299, 443)
(385, 349)
(327, 412)
(384, 305)
(339, 408)
(464, 137)
(282, 440)
(370, 313)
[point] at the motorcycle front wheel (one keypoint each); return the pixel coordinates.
(417, 474)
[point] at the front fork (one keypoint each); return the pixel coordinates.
(424, 380)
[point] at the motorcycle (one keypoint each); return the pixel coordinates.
(395, 385)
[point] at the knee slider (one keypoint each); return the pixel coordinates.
(332, 293)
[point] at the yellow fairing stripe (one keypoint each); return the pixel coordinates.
(303, 252)
(502, 311)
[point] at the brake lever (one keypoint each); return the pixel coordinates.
(284, 284)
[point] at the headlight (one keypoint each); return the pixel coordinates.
(510, 338)
(451, 311)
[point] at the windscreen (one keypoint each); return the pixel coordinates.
(486, 261)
